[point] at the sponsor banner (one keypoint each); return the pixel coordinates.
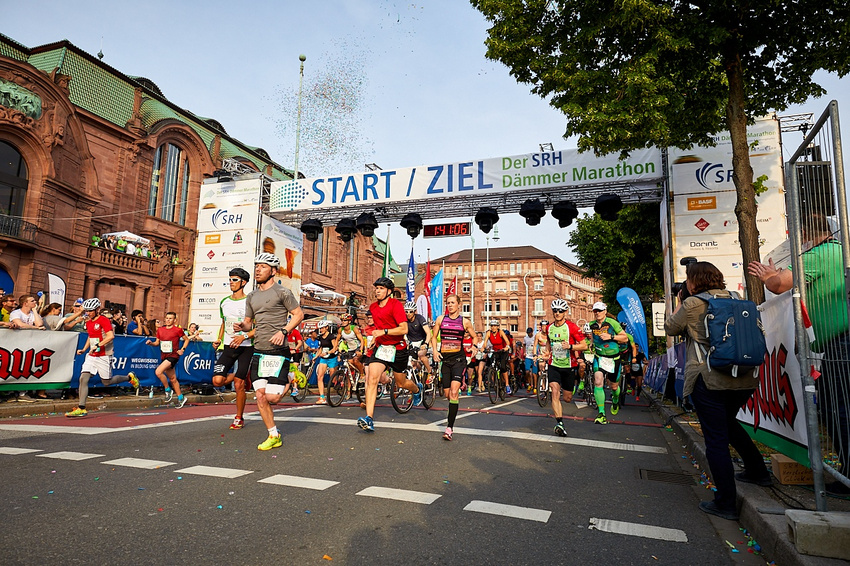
(225, 253)
(242, 217)
(230, 194)
(486, 176)
(132, 354)
(287, 243)
(56, 289)
(219, 271)
(36, 359)
(633, 313)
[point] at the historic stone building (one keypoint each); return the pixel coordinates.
(518, 276)
(86, 150)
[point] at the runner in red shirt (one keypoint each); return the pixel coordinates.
(388, 350)
(168, 339)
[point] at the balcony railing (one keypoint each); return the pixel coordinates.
(17, 228)
(122, 260)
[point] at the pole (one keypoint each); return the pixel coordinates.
(472, 306)
(487, 283)
(301, 58)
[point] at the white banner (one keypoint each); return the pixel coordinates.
(287, 244)
(777, 405)
(56, 290)
(487, 176)
(36, 359)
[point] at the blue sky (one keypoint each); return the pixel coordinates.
(413, 78)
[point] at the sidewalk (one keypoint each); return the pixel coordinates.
(762, 508)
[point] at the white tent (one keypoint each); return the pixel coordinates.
(330, 295)
(311, 287)
(129, 236)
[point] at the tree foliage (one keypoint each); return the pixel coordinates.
(630, 74)
(622, 253)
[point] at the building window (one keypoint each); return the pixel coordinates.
(501, 286)
(487, 306)
(13, 181)
(466, 286)
(465, 308)
(514, 285)
(538, 304)
(169, 184)
(514, 307)
(487, 286)
(538, 285)
(514, 328)
(499, 306)
(319, 253)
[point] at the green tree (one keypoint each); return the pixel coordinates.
(630, 74)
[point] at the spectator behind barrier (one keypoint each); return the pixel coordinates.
(7, 305)
(823, 268)
(74, 321)
(51, 317)
(716, 396)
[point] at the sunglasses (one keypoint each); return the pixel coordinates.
(558, 310)
(235, 279)
(598, 310)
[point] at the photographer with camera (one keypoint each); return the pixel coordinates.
(138, 325)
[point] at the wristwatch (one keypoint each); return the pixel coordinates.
(284, 331)
(386, 331)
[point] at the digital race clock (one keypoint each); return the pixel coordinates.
(446, 229)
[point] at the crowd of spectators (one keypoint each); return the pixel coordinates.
(133, 247)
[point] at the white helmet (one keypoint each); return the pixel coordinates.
(267, 258)
(410, 306)
(91, 304)
(560, 304)
(324, 323)
(493, 322)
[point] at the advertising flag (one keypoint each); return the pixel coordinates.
(428, 286)
(387, 258)
(633, 309)
(411, 276)
(453, 286)
(437, 289)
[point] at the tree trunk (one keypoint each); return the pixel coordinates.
(742, 174)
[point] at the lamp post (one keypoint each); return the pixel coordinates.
(525, 282)
(301, 58)
(487, 306)
(472, 287)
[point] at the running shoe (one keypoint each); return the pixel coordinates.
(134, 381)
(366, 424)
(601, 419)
(77, 412)
(321, 401)
(417, 397)
(469, 392)
(560, 430)
(168, 395)
(508, 389)
(637, 398)
(270, 442)
(181, 401)
(615, 407)
(238, 422)
(448, 434)
(294, 393)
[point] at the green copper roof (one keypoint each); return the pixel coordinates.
(381, 249)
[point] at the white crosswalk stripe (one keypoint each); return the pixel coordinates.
(212, 471)
(539, 515)
(638, 530)
(12, 451)
(400, 494)
(295, 481)
(76, 456)
(139, 463)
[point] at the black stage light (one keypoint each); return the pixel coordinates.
(486, 218)
(607, 206)
(367, 224)
(412, 222)
(311, 229)
(565, 211)
(346, 228)
(532, 210)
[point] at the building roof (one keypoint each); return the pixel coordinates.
(108, 93)
(509, 253)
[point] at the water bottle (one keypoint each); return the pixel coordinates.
(150, 395)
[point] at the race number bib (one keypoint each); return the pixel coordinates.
(385, 353)
(230, 323)
(325, 352)
(558, 351)
(416, 344)
(95, 343)
(270, 366)
(588, 356)
(166, 346)
(606, 364)
(635, 367)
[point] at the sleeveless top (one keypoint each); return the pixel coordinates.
(350, 338)
(496, 340)
(451, 335)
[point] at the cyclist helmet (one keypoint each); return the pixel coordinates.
(240, 273)
(347, 316)
(493, 322)
(91, 304)
(269, 259)
(324, 323)
(560, 304)
(410, 306)
(385, 282)
(544, 323)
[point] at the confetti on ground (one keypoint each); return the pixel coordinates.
(326, 557)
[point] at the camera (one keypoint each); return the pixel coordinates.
(676, 288)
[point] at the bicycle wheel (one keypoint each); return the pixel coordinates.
(501, 383)
(492, 384)
(401, 398)
(303, 387)
(543, 390)
(429, 392)
(588, 391)
(336, 388)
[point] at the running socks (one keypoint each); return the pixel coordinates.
(615, 395)
(273, 431)
(599, 395)
(453, 407)
(560, 420)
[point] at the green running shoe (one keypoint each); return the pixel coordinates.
(601, 419)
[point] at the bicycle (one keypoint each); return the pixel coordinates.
(543, 393)
(301, 379)
(402, 398)
(493, 377)
(342, 382)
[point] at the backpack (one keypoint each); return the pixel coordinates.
(735, 335)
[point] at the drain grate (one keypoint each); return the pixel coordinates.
(667, 477)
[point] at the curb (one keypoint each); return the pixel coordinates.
(762, 515)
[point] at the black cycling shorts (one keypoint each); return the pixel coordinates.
(565, 377)
(502, 359)
(399, 365)
(282, 377)
(453, 368)
(229, 356)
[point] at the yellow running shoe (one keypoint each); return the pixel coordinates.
(601, 419)
(134, 381)
(270, 442)
(77, 412)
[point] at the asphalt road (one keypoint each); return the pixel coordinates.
(504, 491)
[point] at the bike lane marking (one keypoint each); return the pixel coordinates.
(400, 494)
(139, 463)
(527, 513)
(295, 481)
(637, 529)
(229, 473)
(76, 456)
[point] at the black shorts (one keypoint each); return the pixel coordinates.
(229, 356)
(473, 362)
(297, 357)
(565, 377)
(282, 378)
(502, 359)
(399, 365)
(453, 368)
(172, 360)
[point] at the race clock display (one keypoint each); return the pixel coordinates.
(446, 229)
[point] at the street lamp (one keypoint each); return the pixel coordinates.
(527, 273)
(301, 58)
(472, 285)
(487, 306)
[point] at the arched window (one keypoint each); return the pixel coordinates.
(13, 181)
(169, 184)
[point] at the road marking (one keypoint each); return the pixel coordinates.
(637, 530)
(139, 463)
(76, 456)
(399, 494)
(497, 433)
(14, 451)
(539, 515)
(229, 473)
(493, 408)
(295, 481)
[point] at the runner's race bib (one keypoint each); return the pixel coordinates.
(325, 352)
(386, 353)
(270, 366)
(95, 344)
(166, 346)
(635, 367)
(416, 344)
(606, 364)
(558, 351)
(588, 356)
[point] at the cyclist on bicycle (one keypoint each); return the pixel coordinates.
(328, 349)
(452, 328)
(389, 350)
(501, 350)
(418, 336)
(351, 340)
(607, 336)
(565, 338)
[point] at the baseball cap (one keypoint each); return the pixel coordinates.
(600, 306)
(78, 302)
